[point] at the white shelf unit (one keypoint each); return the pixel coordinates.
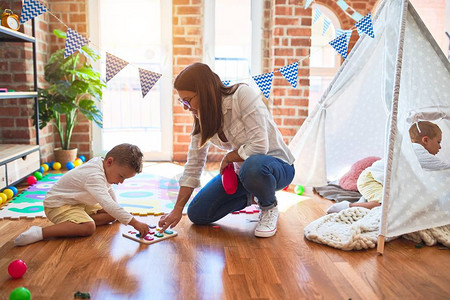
(16, 160)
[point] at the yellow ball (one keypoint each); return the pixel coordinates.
(56, 166)
(77, 162)
(45, 166)
(8, 193)
(3, 198)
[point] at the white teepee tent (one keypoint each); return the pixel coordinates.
(386, 83)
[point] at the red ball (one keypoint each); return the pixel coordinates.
(17, 268)
(31, 180)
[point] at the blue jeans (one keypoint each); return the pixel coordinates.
(260, 175)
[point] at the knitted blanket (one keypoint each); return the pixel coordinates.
(357, 228)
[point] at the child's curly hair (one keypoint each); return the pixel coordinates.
(127, 154)
(426, 129)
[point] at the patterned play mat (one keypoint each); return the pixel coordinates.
(153, 192)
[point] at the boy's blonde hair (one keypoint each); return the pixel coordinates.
(127, 154)
(426, 129)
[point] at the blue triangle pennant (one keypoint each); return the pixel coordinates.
(264, 82)
(317, 14)
(290, 73)
(365, 26)
(308, 3)
(74, 41)
(341, 44)
(31, 9)
(326, 25)
(148, 80)
(114, 65)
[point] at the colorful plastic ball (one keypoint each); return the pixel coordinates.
(31, 180)
(14, 189)
(46, 166)
(9, 193)
(20, 293)
(77, 162)
(46, 163)
(41, 169)
(56, 166)
(299, 189)
(38, 175)
(3, 198)
(70, 165)
(17, 268)
(51, 164)
(82, 158)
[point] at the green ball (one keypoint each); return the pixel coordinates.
(38, 175)
(299, 189)
(20, 293)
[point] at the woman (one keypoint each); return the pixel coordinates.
(234, 119)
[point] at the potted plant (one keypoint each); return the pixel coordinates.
(73, 87)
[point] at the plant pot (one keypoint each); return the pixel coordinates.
(64, 156)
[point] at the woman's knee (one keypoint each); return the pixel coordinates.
(195, 215)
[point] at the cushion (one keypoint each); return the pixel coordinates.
(348, 181)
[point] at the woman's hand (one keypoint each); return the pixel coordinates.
(225, 162)
(171, 219)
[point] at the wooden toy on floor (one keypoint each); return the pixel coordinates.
(152, 237)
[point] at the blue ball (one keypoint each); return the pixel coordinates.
(70, 165)
(46, 163)
(14, 189)
(51, 164)
(41, 169)
(82, 158)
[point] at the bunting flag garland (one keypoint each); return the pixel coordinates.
(114, 65)
(74, 41)
(148, 80)
(264, 82)
(317, 14)
(308, 3)
(290, 73)
(326, 25)
(341, 44)
(31, 9)
(365, 26)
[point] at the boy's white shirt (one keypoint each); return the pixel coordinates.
(87, 184)
(427, 161)
(248, 128)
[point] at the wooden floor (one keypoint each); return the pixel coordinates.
(226, 263)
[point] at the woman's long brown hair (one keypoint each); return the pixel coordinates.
(199, 78)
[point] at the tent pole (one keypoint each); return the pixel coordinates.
(380, 247)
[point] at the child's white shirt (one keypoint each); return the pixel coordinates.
(427, 161)
(87, 184)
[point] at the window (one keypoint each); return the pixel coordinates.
(233, 35)
(324, 60)
(136, 33)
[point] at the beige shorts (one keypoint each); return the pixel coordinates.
(371, 189)
(78, 214)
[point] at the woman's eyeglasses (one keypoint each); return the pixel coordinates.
(186, 101)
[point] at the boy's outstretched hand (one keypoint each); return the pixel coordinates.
(139, 226)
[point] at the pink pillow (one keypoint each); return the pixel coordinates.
(348, 181)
